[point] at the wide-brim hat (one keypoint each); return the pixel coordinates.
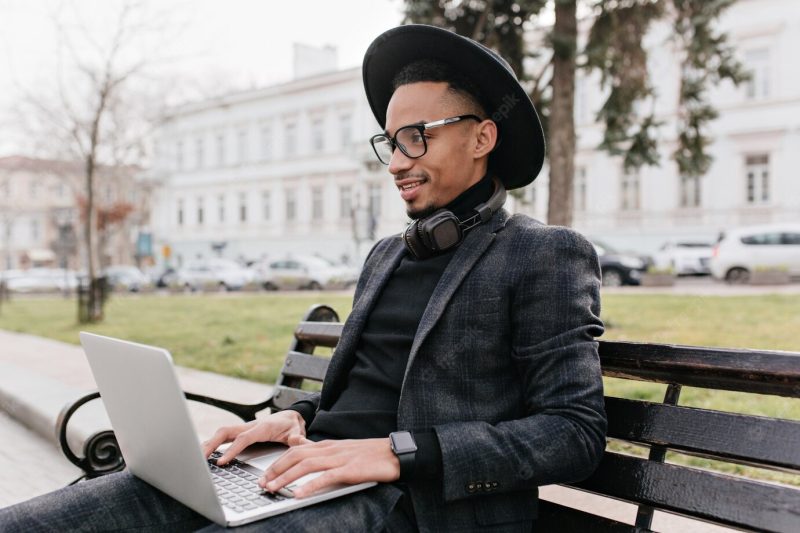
(518, 158)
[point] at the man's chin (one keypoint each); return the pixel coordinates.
(423, 212)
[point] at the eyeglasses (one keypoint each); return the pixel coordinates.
(410, 139)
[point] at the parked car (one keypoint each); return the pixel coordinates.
(740, 251)
(306, 272)
(619, 268)
(126, 277)
(683, 257)
(220, 273)
(37, 280)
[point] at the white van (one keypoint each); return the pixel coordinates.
(741, 251)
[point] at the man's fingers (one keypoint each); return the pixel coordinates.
(223, 435)
(240, 442)
(296, 471)
(296, 440)
(330, 477)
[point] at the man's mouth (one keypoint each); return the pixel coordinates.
(411, 185)
(409, 188)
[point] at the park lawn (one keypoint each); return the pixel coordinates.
(239, 334)
(247, 335)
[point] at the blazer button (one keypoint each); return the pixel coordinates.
(470, 487)
(479, 485)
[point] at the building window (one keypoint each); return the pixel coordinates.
(345, 201)
(221, 208)
(690, 191)
(346, 129)
(757, 172)
(291, 139)
(242, 207)
(34, 230)
(199, 211)
(198, 148)
(374, 201)
(180, 212)
(629, 191)
(34, 189)
(266, 142)
(316, 203)
(291, 205)
(579, 185)
(242, 143)
(221, 150)
(757, 62)
(179, 155)
(317, 135)
(266, 205)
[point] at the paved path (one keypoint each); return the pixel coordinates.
(39, 375)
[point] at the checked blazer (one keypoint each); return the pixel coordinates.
(503, 367)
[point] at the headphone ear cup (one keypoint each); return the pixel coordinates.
(413, 240)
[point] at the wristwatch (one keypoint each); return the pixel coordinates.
(405, 449)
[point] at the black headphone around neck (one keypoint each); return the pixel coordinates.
(443, 230)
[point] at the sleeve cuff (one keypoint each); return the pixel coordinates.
(306, 409)
(428, 460)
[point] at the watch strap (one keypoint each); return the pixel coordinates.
(406, 457)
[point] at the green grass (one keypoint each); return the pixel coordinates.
(246, 335)
(242, 335)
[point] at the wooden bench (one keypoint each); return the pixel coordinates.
(648, 482)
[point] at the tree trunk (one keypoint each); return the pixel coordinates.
(562, 121)
(90, 308)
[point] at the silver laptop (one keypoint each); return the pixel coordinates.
(150, 417)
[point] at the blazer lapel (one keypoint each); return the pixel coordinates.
(475, 244)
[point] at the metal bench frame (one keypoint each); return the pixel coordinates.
(648, 482)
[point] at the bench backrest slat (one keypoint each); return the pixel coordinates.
(757, 371)
(744, 439)
(283, 396)
(319, 333)
(305, 366)
(702, 494)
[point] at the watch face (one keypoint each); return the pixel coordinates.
(403, 442)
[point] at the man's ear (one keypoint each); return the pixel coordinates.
(486, 138)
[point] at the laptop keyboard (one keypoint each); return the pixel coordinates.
(237, 486)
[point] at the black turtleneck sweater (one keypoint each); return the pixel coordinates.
(367, 406)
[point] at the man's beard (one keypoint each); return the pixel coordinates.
(425, 212)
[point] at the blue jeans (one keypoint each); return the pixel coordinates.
(123, 502)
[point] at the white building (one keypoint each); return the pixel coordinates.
(756, 144)
(273, 172)
(288, 169)
(40, 223)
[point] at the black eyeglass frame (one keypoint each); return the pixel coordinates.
(421, 128)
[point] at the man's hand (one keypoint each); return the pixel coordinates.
(340, 461)
(278, 427)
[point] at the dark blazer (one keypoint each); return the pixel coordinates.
(504, 368)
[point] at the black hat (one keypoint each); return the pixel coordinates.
(518, 158)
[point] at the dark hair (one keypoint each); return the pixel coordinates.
(435, 70)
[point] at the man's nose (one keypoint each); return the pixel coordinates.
(399, 162)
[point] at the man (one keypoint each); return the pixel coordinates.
(471, 339)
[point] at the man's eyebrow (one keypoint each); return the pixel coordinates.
(418, 123)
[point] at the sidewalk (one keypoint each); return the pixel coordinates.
(40, 375)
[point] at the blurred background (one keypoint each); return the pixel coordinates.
(208, 144)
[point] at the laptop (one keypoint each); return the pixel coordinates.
(150, 418)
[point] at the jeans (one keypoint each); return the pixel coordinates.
(123, 502)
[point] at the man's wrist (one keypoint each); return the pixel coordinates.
(404, 447)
